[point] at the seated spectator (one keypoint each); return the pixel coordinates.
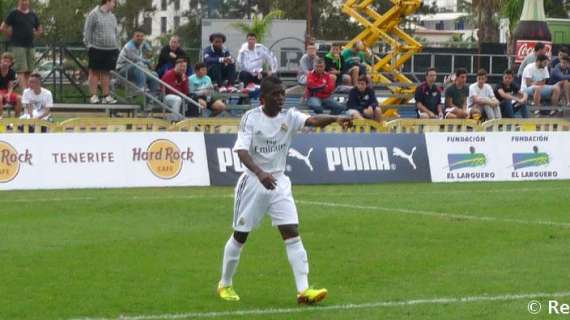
(36, 100)
(133, 52)
(482, 97)
(169, 54)
(7, 83)
(251, 59)
(510, 98)
(221, 66)
(201, 90)
(539, 49)
(456, 98)
(362, 102)
(334, 62)
(562, 52)
(307, 64)
(320, 86)
(428, 97)
(177, 79)
(561, 77)
(534, 79)
(354, 61)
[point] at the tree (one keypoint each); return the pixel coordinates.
(128, 14)
(63, 20)
(259, 26)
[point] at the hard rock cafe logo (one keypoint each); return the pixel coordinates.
(163, 158)
(11, 161)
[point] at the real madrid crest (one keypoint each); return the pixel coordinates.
(284, 127)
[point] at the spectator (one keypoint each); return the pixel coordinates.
(221, 66)
(534, 84)
(36, 100)
(100, 36)
(354, 60)
(320, 86)
(7, 84)
(251, 59)
(177, 79)
(307, 64)
(132, 52)
(539, 49)
(169, 54)
(456, 98)
(428, 97)
(562, 52)
(561, 77)
(362, 102)
(482, 97)
(334, 62)
(510, 98)
(201, 90)
(21, 27)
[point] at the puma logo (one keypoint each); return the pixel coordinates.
(401, 154)
(298, 155)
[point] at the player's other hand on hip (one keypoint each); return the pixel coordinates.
(267, 180)
(345, 121)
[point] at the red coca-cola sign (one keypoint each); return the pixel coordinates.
(526, 47)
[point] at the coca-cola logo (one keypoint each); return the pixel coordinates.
(526, 47)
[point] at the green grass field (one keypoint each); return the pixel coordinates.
(465, 251)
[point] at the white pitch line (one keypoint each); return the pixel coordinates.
(436, 214)
(114, 197)
(341, 307)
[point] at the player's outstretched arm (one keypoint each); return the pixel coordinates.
(325, 120)
(268, 181)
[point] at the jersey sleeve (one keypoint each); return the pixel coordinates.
(297, 119)
(48, 99)
(26, 96)
(245, 134)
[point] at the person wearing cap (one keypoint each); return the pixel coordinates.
(221, 66)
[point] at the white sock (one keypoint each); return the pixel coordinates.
(299, 262)
(232, 251)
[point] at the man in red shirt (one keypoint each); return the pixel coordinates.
(7, 83)
(177, 79)
(320, 86)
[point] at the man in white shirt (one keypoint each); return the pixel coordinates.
(534, 84)
(262, 145)
(251, 58)
(482, 97)
(36, 100)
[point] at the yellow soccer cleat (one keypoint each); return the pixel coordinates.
(227, 293)
(311, 296)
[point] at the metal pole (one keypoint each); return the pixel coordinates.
(308, 32)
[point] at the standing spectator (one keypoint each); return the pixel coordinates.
(307, 64)
(100, 36)
(354, 61)
(37, 101)
(539, 49)
(534, 79)
(561, 77)
(482, 97)
(562, 52)
(362, 102)
(251, 59)
(221, 65)
(7, 84)
(320, 86)
(201, 89)
(21, 27)
(133, 52)
(510, 98)
(456, 98)
(334, 62)
(169, 54)
(428, 97)
(177, 79)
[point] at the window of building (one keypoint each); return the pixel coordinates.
(176, 22)
(163, 4)
(147, 25)
(163, 26)
(440, 25)
(176, 5)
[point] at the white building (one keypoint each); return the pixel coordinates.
(168, 16)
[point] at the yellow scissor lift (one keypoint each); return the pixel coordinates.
(385, 27)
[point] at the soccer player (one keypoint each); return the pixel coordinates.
(262, 145)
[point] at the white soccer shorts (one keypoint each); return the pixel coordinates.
(253, 200)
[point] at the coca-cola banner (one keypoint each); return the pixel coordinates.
(526, 47)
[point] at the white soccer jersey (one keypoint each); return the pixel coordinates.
(268, 139)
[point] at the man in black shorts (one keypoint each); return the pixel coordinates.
(101, 38)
